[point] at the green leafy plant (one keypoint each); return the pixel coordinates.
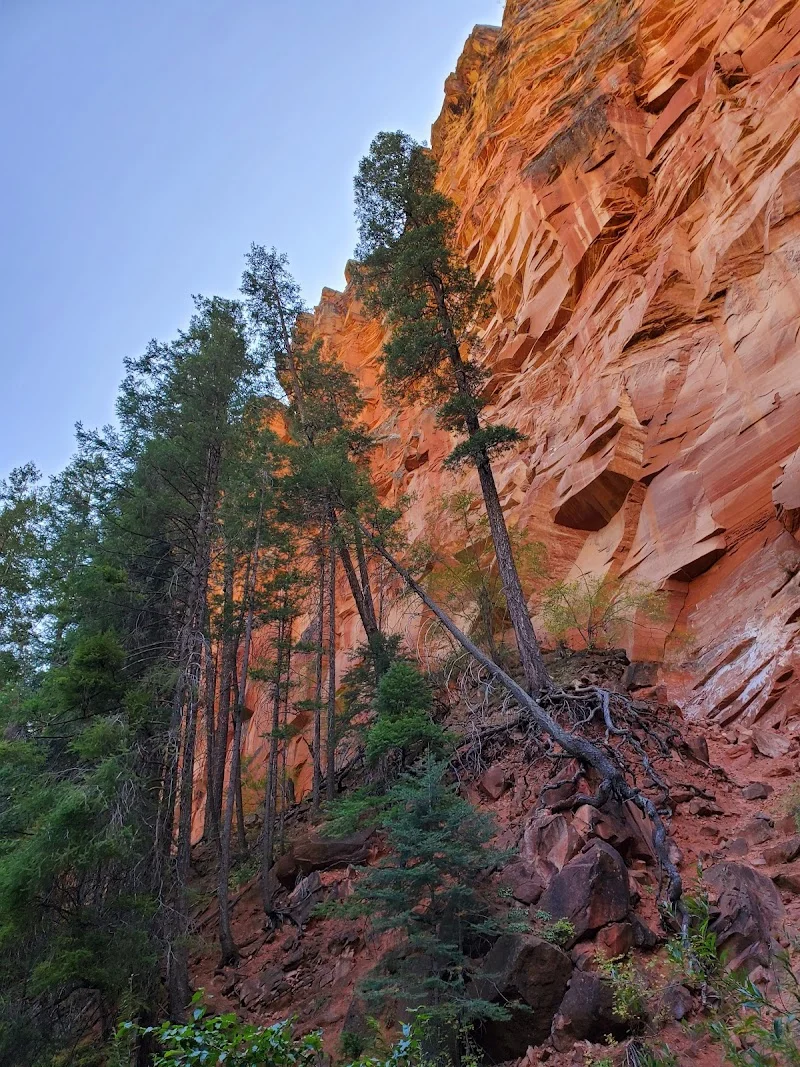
(557, 931)
(755, 1030)
(792, 804)
(645, 1056)
(630, 990)
(597, 608)
(223, 1039)
(695, 955)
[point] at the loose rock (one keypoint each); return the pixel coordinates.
(591, 891)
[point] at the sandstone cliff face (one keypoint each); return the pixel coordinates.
(628, 173)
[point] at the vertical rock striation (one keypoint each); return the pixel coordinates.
(628, 174)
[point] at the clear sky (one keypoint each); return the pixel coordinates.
(146, 143)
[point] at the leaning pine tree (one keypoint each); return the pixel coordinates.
(411, 273)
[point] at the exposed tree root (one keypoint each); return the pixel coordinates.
(604, 760)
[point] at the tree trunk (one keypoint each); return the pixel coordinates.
(330, 739)
(210, 814)
(530, 654)
(284, 797)
(185, 708)
(317, 746)
(536, 676)
(362, 594)
(270, 799)
(227, 666)
(228, 948)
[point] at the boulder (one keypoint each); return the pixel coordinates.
(766, 742)
(618, 825)
(676, 1001)
(586, 1013)
(784, 851)
(304, 898)
(548, 843)
(314, 853)
(643, 936)
(616, 939)
(757, 791)
(495, 782)
(525, 883)
(697, 746)
(591, 891)
(327, 853)
(526, 969)
(756, 831)
(704, 807)
(788, 879)
(750, 914)
(640, 674)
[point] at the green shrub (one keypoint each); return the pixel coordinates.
(557, 931)
(630, 991)
(403, 721)
(223, 1039)
(598, 608)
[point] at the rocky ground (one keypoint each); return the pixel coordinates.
(730, 794)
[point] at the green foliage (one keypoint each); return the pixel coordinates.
(74, 918)
(224, 1039)
(425, 890)
(488, 441)
(630, 990)
(21, 550)
(465, 578)
(557, 931)
(695, 956)
(403, 722)
(757, 1031)
(597, 608)
(792, 804)
(411, 273)
(753, 1029)
(655, 1057)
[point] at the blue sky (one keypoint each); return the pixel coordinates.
(146, 143)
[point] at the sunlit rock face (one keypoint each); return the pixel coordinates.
(628, 174)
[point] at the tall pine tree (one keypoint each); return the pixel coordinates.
(410, 271)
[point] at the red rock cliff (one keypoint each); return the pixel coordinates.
(628, 173)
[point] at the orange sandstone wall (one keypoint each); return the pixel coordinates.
(629, 178)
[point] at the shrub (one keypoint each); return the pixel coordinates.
(223, 1039)
(630, 991)
(598, 608)
(403, 722)
(557, 931)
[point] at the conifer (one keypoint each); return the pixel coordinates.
(410, 271)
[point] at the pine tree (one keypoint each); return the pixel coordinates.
(324, 405)
(179, 410)
(411, 273)
(21, 550)
(425, 891)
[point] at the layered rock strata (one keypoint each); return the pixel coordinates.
(628, 175)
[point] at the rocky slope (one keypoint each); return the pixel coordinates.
(628, 173)
(595, 869)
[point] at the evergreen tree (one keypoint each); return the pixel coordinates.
(403, 724)
(324, 405)
(425, 891)
(410, 272)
